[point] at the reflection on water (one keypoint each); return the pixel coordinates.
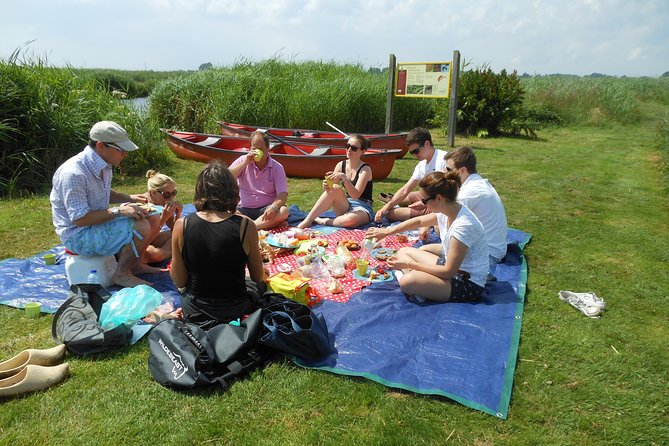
(139, 104)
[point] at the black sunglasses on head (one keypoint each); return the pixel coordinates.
(352, 147)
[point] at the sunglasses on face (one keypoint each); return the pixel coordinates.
(416, 150)
(114, 146)
(352, 147)
(167, 195)
(449, 169)
(426, 200)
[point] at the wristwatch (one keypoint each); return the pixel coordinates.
(115, 211)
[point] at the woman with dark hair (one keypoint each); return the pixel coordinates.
(211, 249)
(454, 270)
(347, 190)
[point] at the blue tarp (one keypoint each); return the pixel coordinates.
(466, 352)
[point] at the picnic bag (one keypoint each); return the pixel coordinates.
(76, 325)
(297, 289)
(182, 355)
(293, 328)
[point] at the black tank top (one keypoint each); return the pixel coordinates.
(367, 194)
(215, 259)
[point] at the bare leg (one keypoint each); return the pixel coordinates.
(348, 220)
(279, 218)
(160, 249)
(128, 264)
(421, 283)
(330, 198)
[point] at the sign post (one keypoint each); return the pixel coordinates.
(453, 104)
(390, 95)
(425, 80)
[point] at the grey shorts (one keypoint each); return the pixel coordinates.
(361, 205)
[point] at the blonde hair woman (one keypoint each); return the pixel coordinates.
(161, 191)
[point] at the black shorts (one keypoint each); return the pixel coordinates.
(253, 213)
(464, 290)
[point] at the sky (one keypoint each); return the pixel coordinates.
(613, 37)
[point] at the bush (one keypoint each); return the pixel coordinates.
(488, 102)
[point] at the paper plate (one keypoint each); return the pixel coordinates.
(272, 241)
(381, 252)
(391, 276)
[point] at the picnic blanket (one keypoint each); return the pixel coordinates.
(466, 352)
(463, 351)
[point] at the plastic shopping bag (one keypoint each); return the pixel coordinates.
(129, 305)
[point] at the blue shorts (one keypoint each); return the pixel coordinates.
(105, 239)
(361, 205)
(253, 213)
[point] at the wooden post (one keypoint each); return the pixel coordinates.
(391, 93)
(453, 96)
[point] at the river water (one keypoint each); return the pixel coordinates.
(139, 104)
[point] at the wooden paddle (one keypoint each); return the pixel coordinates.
(286, 143)
(346, 135)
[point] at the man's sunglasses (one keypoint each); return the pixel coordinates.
(352, 147)
(109, 144)
(167, 195)
(416, 150)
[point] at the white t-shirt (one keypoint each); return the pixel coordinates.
(467, 229)
(428, 166)
(482, 199)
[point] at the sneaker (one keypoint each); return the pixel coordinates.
(384, 197)
(587, 303)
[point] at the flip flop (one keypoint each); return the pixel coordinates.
(384, 197)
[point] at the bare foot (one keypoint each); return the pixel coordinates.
(128, 280)
(303, 225)
(321, 221)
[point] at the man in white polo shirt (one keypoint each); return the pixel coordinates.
(80, 200)
(419, 142)
(482, 199)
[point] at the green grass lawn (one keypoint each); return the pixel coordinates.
(596, 204)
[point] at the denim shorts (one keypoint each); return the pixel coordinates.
(361, 205)
(105, 239)
(253, 213)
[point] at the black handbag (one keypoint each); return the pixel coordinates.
(183, 355)
(293, 329)
(76, 325)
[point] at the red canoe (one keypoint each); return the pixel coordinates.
(314, 163)
(393, 141)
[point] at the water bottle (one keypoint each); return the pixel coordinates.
(93, 277)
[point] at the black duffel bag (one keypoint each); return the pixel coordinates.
(182, 355)
(76, 325)
(293, 328)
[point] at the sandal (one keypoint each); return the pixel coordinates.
(384, 197)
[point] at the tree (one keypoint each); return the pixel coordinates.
(205, 66)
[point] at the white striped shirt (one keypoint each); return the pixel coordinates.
(80, 185)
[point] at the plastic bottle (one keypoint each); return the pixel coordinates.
(93, 277)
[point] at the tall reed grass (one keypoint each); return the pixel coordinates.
(593, 100)
(282, 94)
(45, 116)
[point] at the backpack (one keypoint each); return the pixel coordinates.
(184, 356)
(76, 325)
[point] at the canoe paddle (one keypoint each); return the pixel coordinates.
(285, 142)
(346, 135)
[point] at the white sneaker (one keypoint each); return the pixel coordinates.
(587, 303)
